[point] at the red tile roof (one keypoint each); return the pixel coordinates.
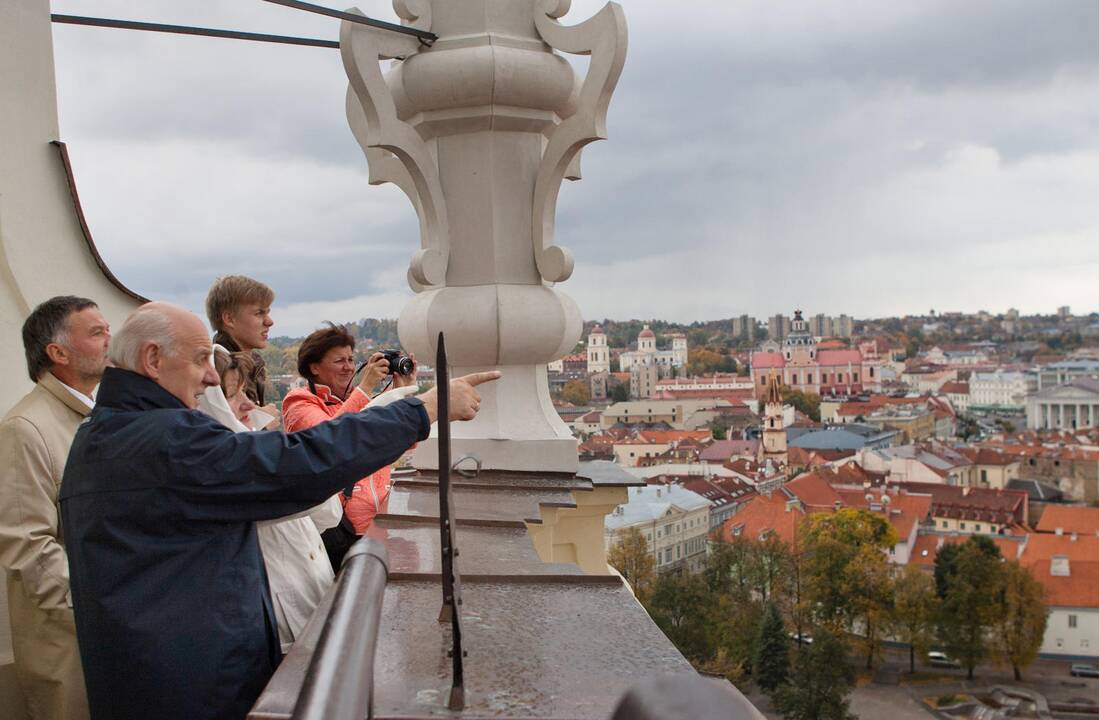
(834, 358)
(955, 388)
(764, 360)
(1043, 546)
(1079, 589)
(763, 515)
(814, 491)
(1071, 519)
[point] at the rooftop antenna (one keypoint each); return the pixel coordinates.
(452, 582)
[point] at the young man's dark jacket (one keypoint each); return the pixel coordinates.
(158, 505)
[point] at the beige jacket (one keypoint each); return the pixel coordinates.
(34, 444)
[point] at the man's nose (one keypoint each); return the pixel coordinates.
(267, 321)
(210, 378)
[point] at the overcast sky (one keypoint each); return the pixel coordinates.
(863, 157)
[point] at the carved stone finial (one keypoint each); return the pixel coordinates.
(479, 130)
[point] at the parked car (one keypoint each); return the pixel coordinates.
(942, 660)
(1084, 670)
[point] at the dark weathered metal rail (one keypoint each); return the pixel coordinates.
(451, 579)
(424, 35)
(191, 30)
(339, 683)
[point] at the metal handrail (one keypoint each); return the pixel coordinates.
(339, 683)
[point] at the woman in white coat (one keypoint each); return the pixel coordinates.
(298, 570)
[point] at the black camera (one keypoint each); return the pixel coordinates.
(399, 363)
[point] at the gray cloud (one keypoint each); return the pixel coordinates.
(858, 157)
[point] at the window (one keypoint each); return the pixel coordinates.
(854, 377)
(944, 523)
(963, 526)
(809, 379)
(1060, 643)
(1083, 643)
(1072, 621)
(984, 476)
(978, 527)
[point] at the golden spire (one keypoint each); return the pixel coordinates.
(774, 394)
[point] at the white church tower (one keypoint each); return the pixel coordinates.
(599, 355)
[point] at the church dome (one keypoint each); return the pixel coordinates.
(646, 333)
(596, 330)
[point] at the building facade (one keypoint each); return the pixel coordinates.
(1072, 406)
(647, 354)
(675, 523)
(1001, 389)
(802, 366)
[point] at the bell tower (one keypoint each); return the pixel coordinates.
(774, 429)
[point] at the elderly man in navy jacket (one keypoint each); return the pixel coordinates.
(158, 502)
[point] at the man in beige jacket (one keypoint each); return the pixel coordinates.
(65, 339)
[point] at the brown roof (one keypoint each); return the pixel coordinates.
(988, 456)
(814, 491)
(926, 547)
(1071, 519)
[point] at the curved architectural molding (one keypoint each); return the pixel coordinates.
(63, 151)
(379, 128)
(603, 37)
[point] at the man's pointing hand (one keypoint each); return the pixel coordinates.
(465, 401)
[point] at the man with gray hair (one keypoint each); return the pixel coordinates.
(159, 503)
(65, 340)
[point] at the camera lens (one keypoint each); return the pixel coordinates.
(404, 366)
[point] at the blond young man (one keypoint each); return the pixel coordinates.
(239, 311)
(65, 340)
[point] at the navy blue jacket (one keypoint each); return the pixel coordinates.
(158, 504)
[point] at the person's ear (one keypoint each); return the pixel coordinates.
(57, 354)
(229, 319)
(313, 369)
(150, 361)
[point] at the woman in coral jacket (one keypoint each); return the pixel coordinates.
(326, 361)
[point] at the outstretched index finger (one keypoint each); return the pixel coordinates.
(481, 377)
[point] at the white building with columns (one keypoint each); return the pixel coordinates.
(647, 354)
(1071, 406)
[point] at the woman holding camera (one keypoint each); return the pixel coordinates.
(326, 361)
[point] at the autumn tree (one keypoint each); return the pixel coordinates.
(679, 605)
(914, 607)
(1021, 625)
(701, 360)
(772, 660)
(847, 579)
(632, 557)
(820, 682)
(576, 392)
(831, 543)
(970, 581)
(807, 404)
